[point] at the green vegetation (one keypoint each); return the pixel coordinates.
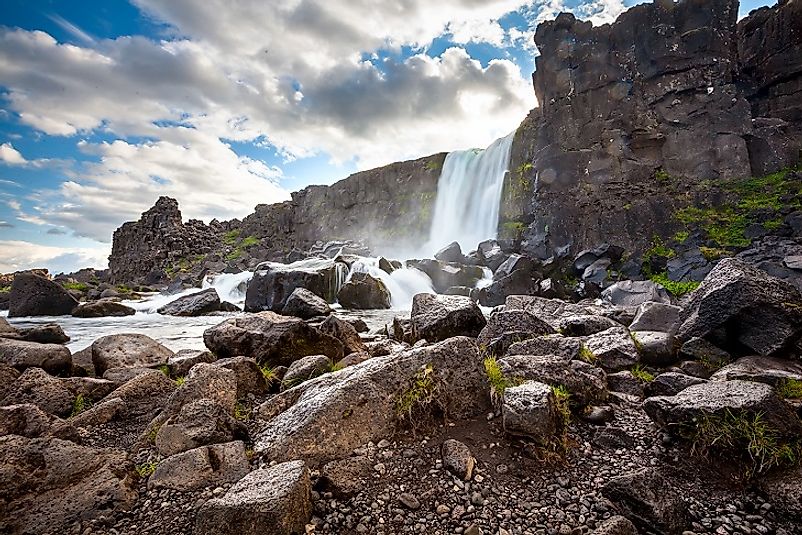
(146, 469)
(662, 177)
(681, 236)
(790, 389)
(419, 398)
(179, 381)
(753, 200)
(164, 369)
(498, 381)
(5, 289)
(76, 286)
(638, 343)
(658, 249)
(432, 165)
(123, 289)
(746, 435)
(513, 229)
(241, 412)
(587, 355)
(563, 397)
(639, 373)
(335, 367)
(152, 432)
(80, 404)
(184, 265)
(231, 237)
(268, 373)
(713, 253)
(239, 249)
(678, 289)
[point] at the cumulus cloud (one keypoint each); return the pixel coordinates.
(16, 255)
(11, 156)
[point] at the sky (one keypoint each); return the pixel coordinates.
(224, 104)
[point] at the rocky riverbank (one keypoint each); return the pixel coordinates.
(545, 416)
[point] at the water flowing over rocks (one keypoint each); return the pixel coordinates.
(195, 304)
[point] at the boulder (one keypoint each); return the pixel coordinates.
(705, 352)
(364, 292)
(614, 349)
(450, 253)
(508, 327)
(53, 358)
(586, 383)
(199, 423)
(516, 262)
(345, 332)
(635, 293)
(660, 317)
(757, 311)
(585, 325)
(304, 369)
(185, 359)
(82, 365)
(457, 459)
(530, 410)
(647, 499)
(28, 420)
(44, 334)
(89, 388)
(554, 344)
(8, 376)
(34, 295)
(444, 275)
(722, 398)
(616, 525)
(438, 317)
(269, 501)
(305, 305)
(328, 417)
(490, 254)
(670, 384)
(206, 466)
(553, 311)
(345, 478)
(519, 282)
(272, 284)
(767, 370)
(128, 351)
(45, 391)
(250, 379)
(102, 308)
(49, 484)
(655, 348)
(625, 383)
(270, 338)
(196, 304)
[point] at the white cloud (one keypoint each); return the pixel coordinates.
(11, 156)
(17, 255)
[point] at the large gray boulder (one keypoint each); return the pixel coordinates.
(128, 351)
(196, 304)
(754, 309)
(250, 379)
(647, 499)
(272, 284)
(305, 305)
(553, 311)
(185, 359)
(49, 484)
(270, 501)
(530, 410)
(270, 338)
(34, 295)
(586, 383)
(445, 275)
(328, 417)
(635, 293)
(660, 317)
(720, 399)
(345, 332)
(555, 344)
(53, 358)
(508, 327)
(438, 317)
(614, 349)
(199, 423)
(767, 370)
(201, 467)
(36, 386)
(585, 325)
(364, 292)
(304, 369)
(102, 308)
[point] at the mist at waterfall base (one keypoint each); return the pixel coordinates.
(466, 211)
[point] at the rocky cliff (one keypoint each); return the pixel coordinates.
(647, 129)
(656, 112)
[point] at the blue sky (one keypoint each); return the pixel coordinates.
(107, 104)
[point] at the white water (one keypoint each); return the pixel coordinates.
(229, 286)
(402, 283)
(469, 195)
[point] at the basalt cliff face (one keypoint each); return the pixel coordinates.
(638, 122)
(651, 114)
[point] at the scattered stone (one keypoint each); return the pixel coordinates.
(635, 293)
(250, 379)
(185, 359)
(345, 333)
(305, 305)
(457, 459)
(586, 383)
(660, 317)
(670, 384)
(585, 325)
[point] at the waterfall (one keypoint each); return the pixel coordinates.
(469, 195)
(403, 283)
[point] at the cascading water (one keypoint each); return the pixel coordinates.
(403, 283)
(230, 287)
(469, 195)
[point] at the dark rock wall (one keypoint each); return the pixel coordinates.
(647, 115)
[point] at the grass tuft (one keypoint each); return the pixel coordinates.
(179, 381)
(498, 381)
(677, 289)
(563, 397)
(419, 398)
(587, 355)
(241, 412)
(146, 469)
(790, 389)
(79, 405)
(268, 373)
(641, 374)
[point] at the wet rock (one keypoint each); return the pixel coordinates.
(196, 304)
(490, 254)
(128, 351)
(185, 359)
(250, 379)
(767, 370)
(305, 305)
(34, 295)
(519, 282)
(216, 464)
(270, 501)
(272, 284)
(530, 410)
(660, 317)
(585, 325)
(635, 293)
(717, 398)
(670, 384)
(48, 484)
(516, 262)
(345, 333)
(35, 386)
(758, 311)
(102, 308)
(450, 253)
(647, 499)
(346, 477)
(53, 358)
(457, 459)
(270, 338)
(199, 423)
(304, 369)
(586, 383)
(438, 317)
(445, 275)
(364, 292)
(614, 349)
